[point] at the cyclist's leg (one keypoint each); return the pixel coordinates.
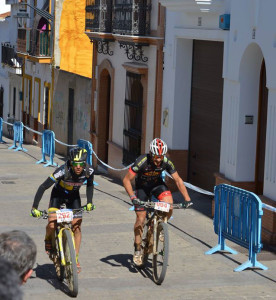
(55, 202)
(140, 218)
(162, 193)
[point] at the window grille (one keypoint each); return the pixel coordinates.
(132, 118)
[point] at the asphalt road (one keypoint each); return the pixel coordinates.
(107, 245)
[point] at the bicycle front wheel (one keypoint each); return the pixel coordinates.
(70, 268)
(161, 255)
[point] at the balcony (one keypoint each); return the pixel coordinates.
(98, 16)
(125, 17)
(10, 58)
(131, 17)
(33, 42)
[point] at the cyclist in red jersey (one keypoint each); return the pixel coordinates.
(147, 172)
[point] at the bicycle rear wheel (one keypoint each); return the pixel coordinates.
(70, 268)
(160, 257)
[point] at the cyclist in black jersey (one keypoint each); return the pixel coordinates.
(67, 181)
(147, 171)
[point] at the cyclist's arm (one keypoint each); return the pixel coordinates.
(130, 175)
(42, 188)
(90, 189)
(180, 184)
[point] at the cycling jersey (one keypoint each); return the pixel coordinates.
(67, 183)
(65, 179)
(148, 174)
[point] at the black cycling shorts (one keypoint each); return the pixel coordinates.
(145, 194)
(71, 201)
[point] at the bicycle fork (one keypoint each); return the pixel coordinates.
(63, 263)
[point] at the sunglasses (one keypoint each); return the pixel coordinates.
(77, 163)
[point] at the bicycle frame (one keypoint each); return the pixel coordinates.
(155, 217)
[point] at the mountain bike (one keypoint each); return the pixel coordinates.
(155, 237)
(63, 252)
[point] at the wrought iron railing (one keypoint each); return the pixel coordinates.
(131, 17)
(127, 17)
(9, 56)
(34, 42)
(15, 1)
(98, 15)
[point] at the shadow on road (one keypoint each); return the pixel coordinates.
(120, 260)
(47, 272)
(125, 260)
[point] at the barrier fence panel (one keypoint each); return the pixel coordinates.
(89, 148)
(48, 148)
(18, 136)
(238, 218)
(1, 131)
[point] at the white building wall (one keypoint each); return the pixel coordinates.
(251, 38)
(270, 153)
(8, 79)
(44, 73)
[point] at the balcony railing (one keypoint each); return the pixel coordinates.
(98, 15)
(9, 56)
(15, 1)
(34, 42)
(129, 17)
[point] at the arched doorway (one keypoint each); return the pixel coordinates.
(261, 133)
(104, 115)
(249, 163)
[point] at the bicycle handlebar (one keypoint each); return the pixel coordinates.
(45, 213)
(151, 204)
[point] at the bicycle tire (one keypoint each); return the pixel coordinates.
(70, 268)
(57, 259)
(161, 256)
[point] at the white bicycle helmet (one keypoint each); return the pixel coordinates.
(158, 147)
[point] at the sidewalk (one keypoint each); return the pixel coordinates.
(107, 244)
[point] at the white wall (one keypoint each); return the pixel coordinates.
(251, 38)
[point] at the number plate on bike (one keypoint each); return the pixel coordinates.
(162, 206)
(64, 216)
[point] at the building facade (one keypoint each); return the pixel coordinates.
(56, 70)
(219, 91)
(127, 65)
(10, 70)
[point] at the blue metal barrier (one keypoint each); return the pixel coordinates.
(48, 148)
(1, 131)
(89, 148)
(238, 218)
(18, 136)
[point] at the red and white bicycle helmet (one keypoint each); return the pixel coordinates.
(158, 147)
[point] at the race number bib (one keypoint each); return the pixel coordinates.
(162, 206)
(64, 215)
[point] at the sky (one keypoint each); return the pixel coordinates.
(3, 7)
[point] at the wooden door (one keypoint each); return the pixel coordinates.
(206, 113)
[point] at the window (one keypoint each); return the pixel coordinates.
(132, 118)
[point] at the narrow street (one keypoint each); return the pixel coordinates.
(107, 245)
